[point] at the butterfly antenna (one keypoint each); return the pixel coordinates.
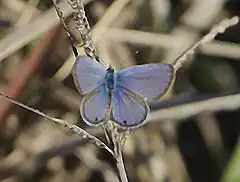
(98, 59)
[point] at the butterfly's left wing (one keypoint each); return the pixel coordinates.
(128, 109)
(95, 105)
(150, 80)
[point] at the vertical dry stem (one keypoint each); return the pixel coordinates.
(82, 25)
(117, 141)
(121, 167)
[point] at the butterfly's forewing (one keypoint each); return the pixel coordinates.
(151, 80)
(94, 106)
(128, 109)
(88, 74)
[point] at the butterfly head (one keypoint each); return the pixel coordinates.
(110, 69)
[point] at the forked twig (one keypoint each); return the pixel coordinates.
(218, 28)
(74, 128)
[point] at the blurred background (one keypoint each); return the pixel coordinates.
(194, 134)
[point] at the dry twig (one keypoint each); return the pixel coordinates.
(75, 129)
(219, 28)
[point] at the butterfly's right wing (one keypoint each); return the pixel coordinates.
(129, 110)
(88, 74)
(95, 105)
(150, 80)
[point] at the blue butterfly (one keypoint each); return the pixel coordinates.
(120, 96)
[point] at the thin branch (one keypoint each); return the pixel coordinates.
(20, 79)
(75, 129)
(68, 32)
(24, 34)
(117, 141)
(215, 47)
(28, 32)
(108, 18)
(186, 110)
(194, 16)
(175, 108)
(27, 14)
(99, 29)
(116, 137)
(218, 28)
(83, 26)
(121, 167)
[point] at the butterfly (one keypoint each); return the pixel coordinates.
(120, 96)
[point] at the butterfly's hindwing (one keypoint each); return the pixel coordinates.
(128, 109)
(95, 105)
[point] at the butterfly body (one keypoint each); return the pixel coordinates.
(110, 79)
(119, 96)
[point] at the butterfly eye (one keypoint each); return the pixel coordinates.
(110, 69)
